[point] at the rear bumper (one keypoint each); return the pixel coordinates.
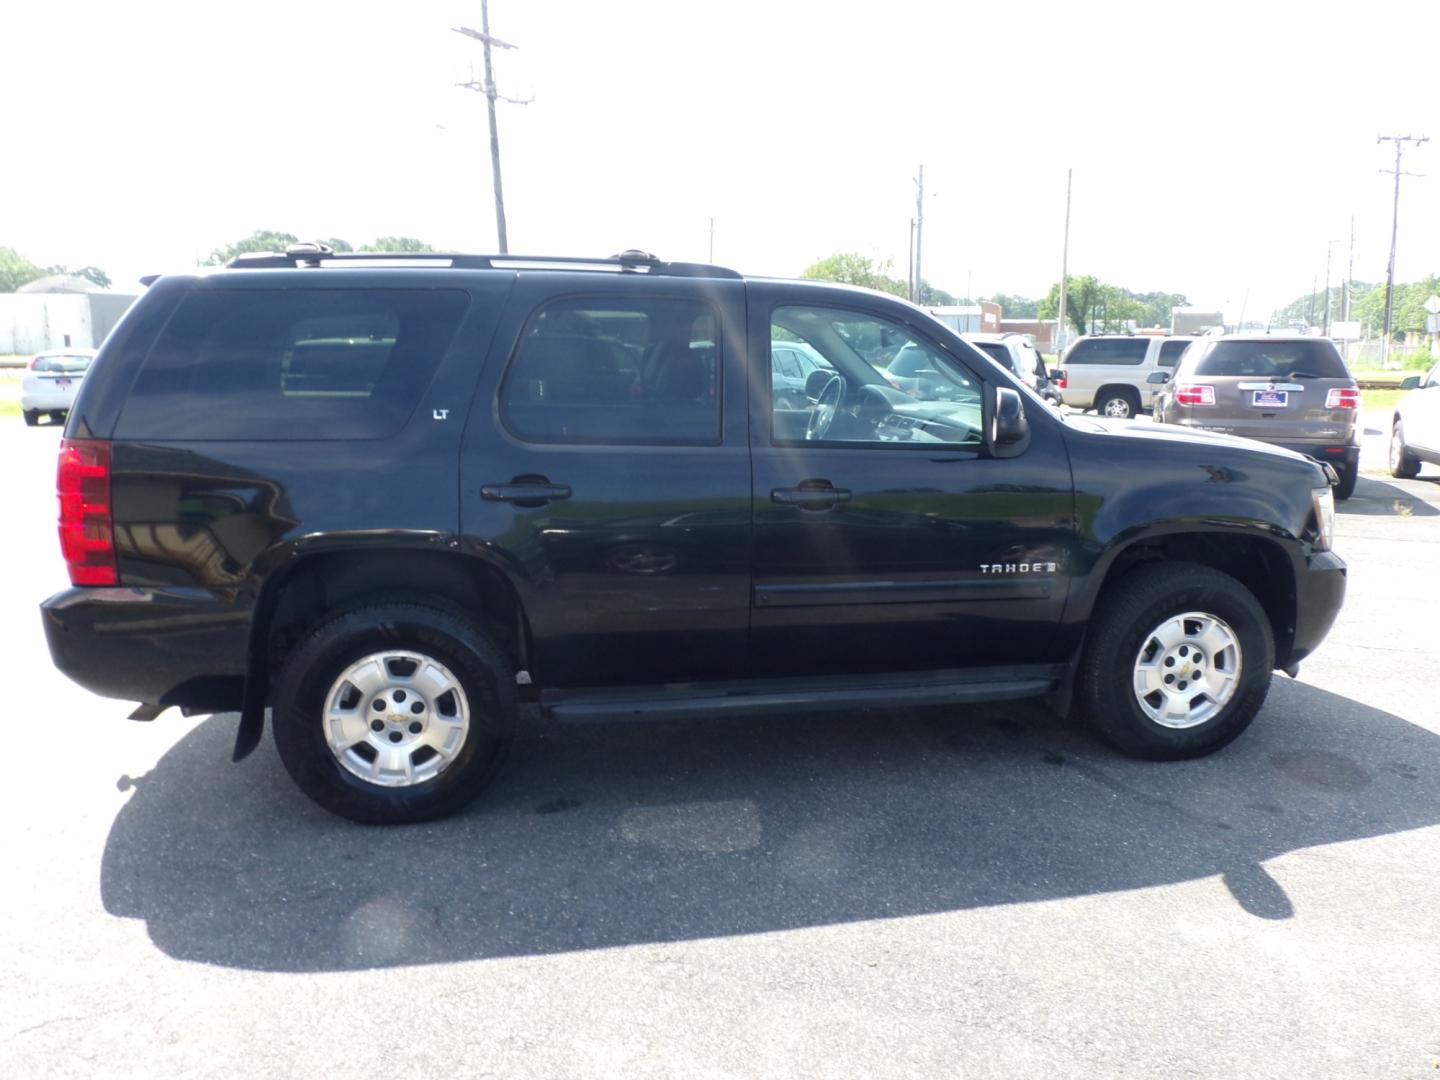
(1319, 593)
(1336, 453)
(176, 646)
(45, 402)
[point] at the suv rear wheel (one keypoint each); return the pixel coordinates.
(1348, 476)
(394, 713)
(1402, 465)
(1178, 661)
(1121, 403)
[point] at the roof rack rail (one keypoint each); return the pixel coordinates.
(629, 261)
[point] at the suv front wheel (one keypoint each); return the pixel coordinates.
(1178, 661)
(394, 713)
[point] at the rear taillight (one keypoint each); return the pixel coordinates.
(87, 540)
(1060, 378)
(1343, 397)
(1194, 394)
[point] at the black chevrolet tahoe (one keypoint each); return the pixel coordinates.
(392, 500)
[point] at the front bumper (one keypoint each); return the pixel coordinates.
(177, 646)
(1319, 594)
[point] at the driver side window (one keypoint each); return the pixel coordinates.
(880, 385)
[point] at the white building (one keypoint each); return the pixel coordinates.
(59, 312)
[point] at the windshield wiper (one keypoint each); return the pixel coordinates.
(1304, 375)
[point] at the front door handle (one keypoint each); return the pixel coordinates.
(527, 491)
(811, 495)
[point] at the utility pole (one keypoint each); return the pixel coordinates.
(1329, 247)
(488, 89)
(919, 230)
(1064, 271)
(910, 264)
(1399, 141)
(1350, 269)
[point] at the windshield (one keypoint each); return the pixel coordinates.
(1270, 360)
(67, 365)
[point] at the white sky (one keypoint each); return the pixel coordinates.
(1216, 146)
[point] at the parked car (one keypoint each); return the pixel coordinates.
(50, 382)
(1110, 372)
(791, 365)
(1415, 427)
(393, 503)
(1016, 353)
(1287, 390)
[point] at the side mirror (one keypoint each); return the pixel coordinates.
(1410, 382)
(1009, 428)
(1158, 378)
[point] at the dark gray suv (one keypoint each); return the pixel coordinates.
(1291, 391)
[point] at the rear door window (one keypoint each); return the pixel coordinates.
(603, 370)
(1272, 360)
(291, 363)
(1170, 353)
(1120, 351)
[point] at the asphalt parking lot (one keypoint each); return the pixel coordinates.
(929, 893)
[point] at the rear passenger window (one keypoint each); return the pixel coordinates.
(291, 363)
(1170, 352)
(1125, 351)
(644, 371)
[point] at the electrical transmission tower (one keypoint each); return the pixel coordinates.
(491, 95)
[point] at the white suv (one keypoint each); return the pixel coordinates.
(1108, 372)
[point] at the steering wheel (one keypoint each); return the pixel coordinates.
(827, 404)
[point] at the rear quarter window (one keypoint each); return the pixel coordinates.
(1123, 351)
(291, 363)
(1271, 360)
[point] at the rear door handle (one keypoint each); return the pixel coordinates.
(811, 495)
(523, 491)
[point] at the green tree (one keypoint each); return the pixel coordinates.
(1018, 307)
(259, 240)
(92, 274)
(337, 245)
(16, 270)
(851, 268)
(933, 297)
(396, 244)
(1082, 296)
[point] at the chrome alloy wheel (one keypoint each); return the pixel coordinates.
(396, 719)
(1187, 669)
(1118, 407)
(1397, 449)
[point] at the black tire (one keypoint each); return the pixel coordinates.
(1403, 464)
(32, 417)
(1131, 609)
(483, 671)
(1120, 403)
(1348, 475)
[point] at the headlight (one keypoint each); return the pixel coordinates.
(1322, 501)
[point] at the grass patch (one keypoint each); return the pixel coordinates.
(1380, 400)
(9, 408)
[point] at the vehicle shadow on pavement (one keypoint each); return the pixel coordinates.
(644, 833)
(1377, 498)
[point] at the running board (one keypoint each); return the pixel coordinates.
(757, 697)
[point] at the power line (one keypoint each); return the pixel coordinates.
(1399, 141)
(491, 95)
